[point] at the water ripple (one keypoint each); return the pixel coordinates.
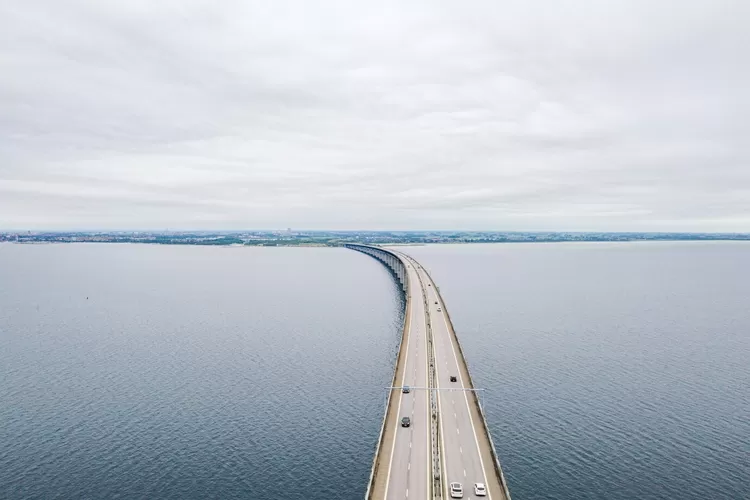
(191, 372)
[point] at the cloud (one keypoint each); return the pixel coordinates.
(536, 115)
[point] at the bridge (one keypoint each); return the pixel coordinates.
(447, 440)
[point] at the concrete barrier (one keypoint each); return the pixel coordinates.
(389, 259)
(495, 458)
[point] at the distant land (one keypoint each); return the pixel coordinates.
(336, 238)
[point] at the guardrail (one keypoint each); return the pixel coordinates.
(496, 460)
(406, 286)
(437, 488)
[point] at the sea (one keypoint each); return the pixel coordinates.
(610, 370)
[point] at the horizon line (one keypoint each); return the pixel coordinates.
(362, 231)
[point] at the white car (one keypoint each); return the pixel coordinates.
(480, 490)
(440, 310)
(457, 491)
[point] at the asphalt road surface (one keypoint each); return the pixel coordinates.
(461, 432)
(410, 462)
(461, 457)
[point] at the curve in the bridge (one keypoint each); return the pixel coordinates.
(448, 439)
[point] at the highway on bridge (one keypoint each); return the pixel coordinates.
(409, 464)
(421, 460)
(461, 455)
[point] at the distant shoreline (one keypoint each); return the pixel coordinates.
(337, 239)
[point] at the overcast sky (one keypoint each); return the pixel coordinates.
(497, 114)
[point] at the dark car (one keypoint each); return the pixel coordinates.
(453, 378)
(405, 422)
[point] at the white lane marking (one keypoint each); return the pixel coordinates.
(464, 472)
(398, 407)
(440, 421)
(407, 492)
(409, 444)
(427, 407)
(428, 441)
(461, 449)
(409, 467)
(458, 431)
(427, 428)
(468, 408)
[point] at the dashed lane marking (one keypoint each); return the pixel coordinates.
(398, 405)
(468, 408)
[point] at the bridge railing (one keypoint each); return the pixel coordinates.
(495, 457)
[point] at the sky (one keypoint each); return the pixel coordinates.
(606, 115)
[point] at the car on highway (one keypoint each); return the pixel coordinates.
(406, 389)
(480, 490)
(453, 378)
(457, 491)
(436, 302)
(440, 310)
(405, 422)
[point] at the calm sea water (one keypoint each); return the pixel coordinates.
(134, 371)
(612, 371)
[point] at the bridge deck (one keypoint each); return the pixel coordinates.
(403, 465)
